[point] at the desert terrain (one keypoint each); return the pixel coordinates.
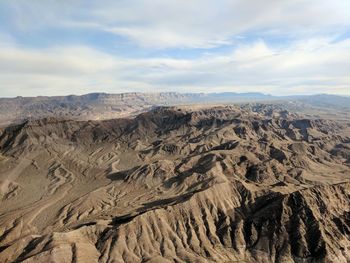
(251, 182)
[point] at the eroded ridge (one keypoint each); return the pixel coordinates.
(249, 183)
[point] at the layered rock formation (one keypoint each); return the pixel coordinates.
(102, 106)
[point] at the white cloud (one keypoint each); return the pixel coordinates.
(277, 46)
(159, 38)
(185, 24)
(206, 23)
(55, 61)
(311, 66)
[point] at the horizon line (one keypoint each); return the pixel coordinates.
(176, 92)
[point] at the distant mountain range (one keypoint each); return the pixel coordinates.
(106, 106)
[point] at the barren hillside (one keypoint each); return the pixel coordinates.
(102, 106)
(249, 183)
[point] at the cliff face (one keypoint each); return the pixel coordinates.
(250, 183)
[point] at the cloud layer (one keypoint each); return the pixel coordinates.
(280, 47)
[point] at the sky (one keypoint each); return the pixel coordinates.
(279, 47)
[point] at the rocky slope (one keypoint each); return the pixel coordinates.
(249, 183)
(101, 106)
(96, 106)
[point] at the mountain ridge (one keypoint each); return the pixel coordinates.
(95, 106)
(248, 182)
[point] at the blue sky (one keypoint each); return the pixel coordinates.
(281, 47)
